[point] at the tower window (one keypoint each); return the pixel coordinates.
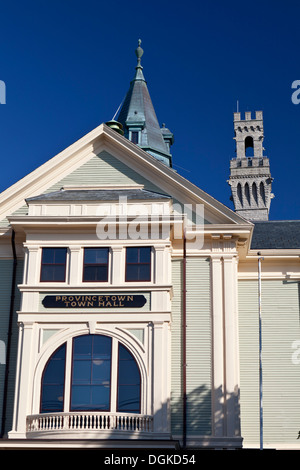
(249, 146)
(135, 137)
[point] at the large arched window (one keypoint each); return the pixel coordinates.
(102, 378)
(53, 381)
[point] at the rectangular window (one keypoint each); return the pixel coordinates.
(138, 263)
(135, 137)
(53, 268)
(95, 265)
(91, 373)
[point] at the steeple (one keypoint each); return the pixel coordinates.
(138, 117)
(250, 176)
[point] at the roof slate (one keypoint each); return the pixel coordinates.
(276, 234)
(98, 195)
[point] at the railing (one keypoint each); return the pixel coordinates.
(97, 421)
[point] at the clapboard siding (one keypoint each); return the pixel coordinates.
(103, 169)
(6, 268)
(176, 349)
(100, 170)
(198, 348)
(281, 372)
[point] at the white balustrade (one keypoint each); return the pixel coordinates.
(89, 421)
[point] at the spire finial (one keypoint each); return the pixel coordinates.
(139, 52)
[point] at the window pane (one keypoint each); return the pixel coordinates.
(52, 398)
(48, 255)
(129, 382)
(144, 272)
(60, 255)
(91, 373)
(129, 398)
(145, 254)
(53, 264)
(95, 264)
(81, 372)
(132, 272)
(95, 273)
(54, 255)
(132, 255)
(83, 347)
(102, 347)
(138, 264)
(101, 372)
(96, 255)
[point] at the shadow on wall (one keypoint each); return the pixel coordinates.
(199, 410)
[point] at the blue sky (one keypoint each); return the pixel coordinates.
(67, 66)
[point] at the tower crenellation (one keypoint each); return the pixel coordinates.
(250, 176)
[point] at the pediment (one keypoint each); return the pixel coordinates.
(105, 158)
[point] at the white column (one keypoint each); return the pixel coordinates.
(23, 381)
(160, 377)
(75, 266)
(116, 266)
(231, 345)
(218, 346)
(33, 265)
(159, 264)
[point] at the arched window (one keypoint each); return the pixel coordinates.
(262, 192)
(94, 365)
(254, 192)
(249, 146)
(53, 382)
(239, 193)
(247, 193)
(129, 382)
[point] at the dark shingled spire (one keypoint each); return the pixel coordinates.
(137, 115)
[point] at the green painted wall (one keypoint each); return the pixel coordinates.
(198, 348)
(6, 267)
(280, 361)
(101, 169)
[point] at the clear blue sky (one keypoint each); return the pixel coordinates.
(67, 65)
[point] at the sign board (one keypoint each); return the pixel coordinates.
(94, 301)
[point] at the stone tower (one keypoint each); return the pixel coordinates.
(250, 177)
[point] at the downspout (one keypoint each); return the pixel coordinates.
(9, 333)
(260, 258)
(184, 397)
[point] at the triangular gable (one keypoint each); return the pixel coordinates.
(104, 157)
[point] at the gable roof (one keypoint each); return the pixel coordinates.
(105, 138)
(276, 234)
(98, 195)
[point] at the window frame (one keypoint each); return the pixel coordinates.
(63, 345)
(134, 137)
(95, 264)
(91, 361)
(53, 264)
(116, 343)
(118, 382)
(139, 264)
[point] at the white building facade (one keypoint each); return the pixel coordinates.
(133, 318)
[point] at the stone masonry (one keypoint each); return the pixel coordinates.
(250, 178)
